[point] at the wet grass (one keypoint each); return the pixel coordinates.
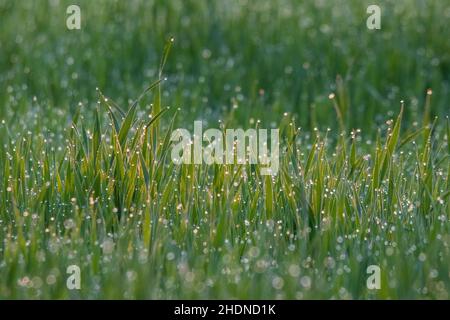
(86, 176)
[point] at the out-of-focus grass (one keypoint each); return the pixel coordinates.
(266, 56)
(83, 184)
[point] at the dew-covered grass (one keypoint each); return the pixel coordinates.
(86, 177)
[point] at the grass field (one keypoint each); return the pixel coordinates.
(86, 177)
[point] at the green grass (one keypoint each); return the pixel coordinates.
(87, 180)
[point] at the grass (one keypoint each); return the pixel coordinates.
(86, 176)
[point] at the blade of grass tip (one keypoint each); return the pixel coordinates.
(136, 138)
(127, 123)
(342, 95)
(130, 116)
(391, 143)
(410, 137)
(269, 196)
(97, 135)
(426, 113)
(166, 51)
(153, 119)
(149, 88)
(393, 139)
(111, 103)
(164, 148)
(332, 97)
(353, 154)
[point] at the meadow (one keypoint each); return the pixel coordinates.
(86, 177)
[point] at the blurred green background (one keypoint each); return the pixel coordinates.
(262, 57)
